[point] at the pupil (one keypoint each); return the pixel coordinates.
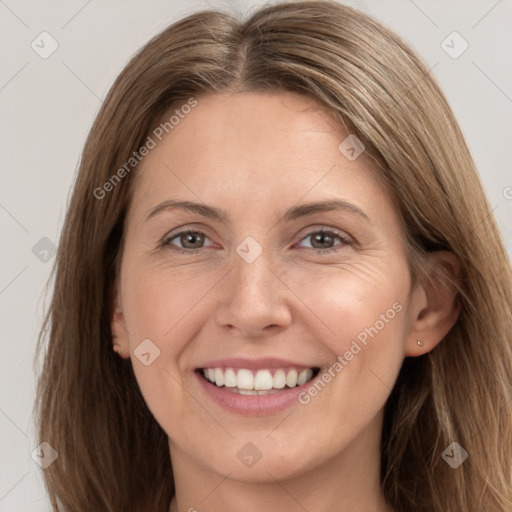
(322, 237)
(190, 238)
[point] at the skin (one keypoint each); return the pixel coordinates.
(256, 155)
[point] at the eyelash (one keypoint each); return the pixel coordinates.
(165, 244)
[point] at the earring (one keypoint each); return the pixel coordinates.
(117, 349)
(420, 343)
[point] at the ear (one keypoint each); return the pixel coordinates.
(118, 328)
(437, 305)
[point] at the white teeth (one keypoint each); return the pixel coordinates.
(230, 378)
(262, 383)
(263, 380)
(291, 378)
(279, 379)
(244, 379)
(253, 392)
(219, 377)
(304, 376)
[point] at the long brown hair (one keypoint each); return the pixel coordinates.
(113, 456)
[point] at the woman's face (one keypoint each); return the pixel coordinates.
(256, 296)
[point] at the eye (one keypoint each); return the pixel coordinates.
(188, 239)
(323, 240)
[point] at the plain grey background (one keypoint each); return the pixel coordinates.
(47, 106)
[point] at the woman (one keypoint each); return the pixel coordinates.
(208, 352)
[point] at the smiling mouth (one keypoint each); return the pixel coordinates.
(260, 382)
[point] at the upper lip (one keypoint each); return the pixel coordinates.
(255, 364)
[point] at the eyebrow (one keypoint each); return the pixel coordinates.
(292, 213)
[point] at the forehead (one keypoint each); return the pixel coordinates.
(257, 148)
(228, 125)
(248, 131)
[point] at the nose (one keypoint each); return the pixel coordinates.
(254, 300)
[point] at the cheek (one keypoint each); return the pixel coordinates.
(360, 314)
(161, 307)
(350, 297)
(160, 304)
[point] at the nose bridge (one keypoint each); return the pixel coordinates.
(253, 277)
(255, 297)
(252, 262)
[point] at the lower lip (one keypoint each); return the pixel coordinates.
(252, 405)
